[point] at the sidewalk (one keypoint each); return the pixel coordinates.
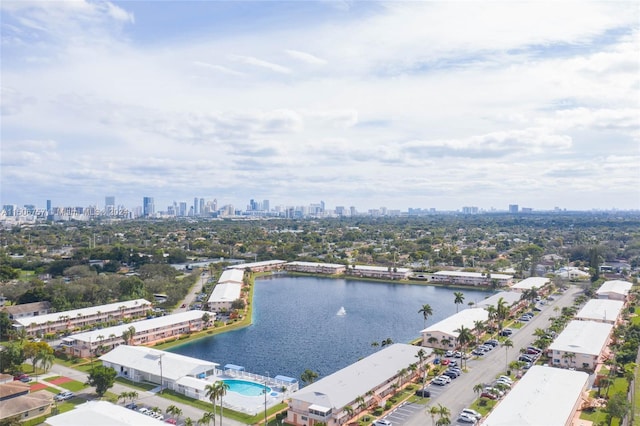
(148, 398)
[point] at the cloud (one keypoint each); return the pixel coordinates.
(218, 68)
(305, 57)
(13, 102)
(249, 60)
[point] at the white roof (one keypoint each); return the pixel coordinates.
(615, 286)
(146, 360)
(144, 325)
(601, 309)
(227, 292)
(511, 297)
(544, 396)
(84, 312)
(582, 337)
(102, 413)
(531, 282)
(470, 274)
(232, 275)
(466, 317)
(380, 268)
(345, 385)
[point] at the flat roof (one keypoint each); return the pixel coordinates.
(470, 274)
(544, 396)
(84, 312)
(257, 264)
(147, 360)
(345, 385)
(601, 309)
(466, 317)
(380, 268)
(582, 337)
(27, 307)
(511, 297)
(144, 325)
(531, 282)
(225, 292)
(102, 413)
(232, 275)
(615, 286)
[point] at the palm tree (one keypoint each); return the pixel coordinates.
(433, 412)
(569, 356)
(361, 404)
(45, 359)
(207, 418)
(444, 414)
(492, 313)
(502, 311)
(349, 410)
(421, 355)
(478, 328)
(211, 392)
(458, 299)
(375, 344)
(478, 388)
(386, 342)
(173, 410)
(223, 387)
(188, 422)
(465, 336)
(123, 396)
(426, 312)
(308, 376)
(507, 344)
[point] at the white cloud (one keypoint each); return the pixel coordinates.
(218, 68)
(305, 57)
(249, 60)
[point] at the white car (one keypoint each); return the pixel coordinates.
(473, 413)
(506, 379)
(382, 422)
(467, 418)
(64, 395)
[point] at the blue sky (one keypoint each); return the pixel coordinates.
(396, 104)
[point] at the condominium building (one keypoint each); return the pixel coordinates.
(471, 278)
(316, 268)
(580, 345)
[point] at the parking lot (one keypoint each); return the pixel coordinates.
(403, 413)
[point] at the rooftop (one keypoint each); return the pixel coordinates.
(144, 325)
(226, 292)
(145, 359)
(544, 396)
(84, 312)
(615, 286)
(531, 282)
(471, 274)
(511, 297)
(466, 317)
(343, 386)
(582, 337)
(102, 413)
(327, 265)
(27, 307)
(232, 275)
(601, 309)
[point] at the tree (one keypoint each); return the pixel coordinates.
(102, 378)
(211, 392)
(308, 376)
(477, 388)
(421, 355)
(173, 410)
(207, 418)
(375, 344)
(433, 412)
(188, 422)
(502, 311)
(507, 344)
(361, 404)
(465, 336)
(386, 342)
(617, 407)
(45, 359)
(458, 299)
(223, 387)
(444, 414)
(426, 312)
(569, 357)
(349, 410)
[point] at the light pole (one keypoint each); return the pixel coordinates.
(160, 364)
(266, 381)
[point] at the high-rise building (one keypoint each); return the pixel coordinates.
(48, 206)
(195, 206)
(513, 208)
(201, 209)
(265, 205)
(9, 209)
(148, 207)
(182, 211)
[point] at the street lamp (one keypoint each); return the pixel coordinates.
(160, 364)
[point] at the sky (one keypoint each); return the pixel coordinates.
(357, 103)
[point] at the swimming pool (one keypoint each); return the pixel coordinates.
(246, 388)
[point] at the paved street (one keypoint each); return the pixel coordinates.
(459, 393)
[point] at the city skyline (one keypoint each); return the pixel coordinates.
(367, 104)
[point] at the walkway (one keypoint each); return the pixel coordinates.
(148, 398)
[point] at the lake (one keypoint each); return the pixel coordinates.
(296, 326)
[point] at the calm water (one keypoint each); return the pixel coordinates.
(295, 325)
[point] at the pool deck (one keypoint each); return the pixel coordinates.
(251, 404)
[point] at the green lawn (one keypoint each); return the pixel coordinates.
(51, 379)
(135, 385)
(483, 409)
(73, 386)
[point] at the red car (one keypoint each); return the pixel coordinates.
(488, 395)
(445, 362)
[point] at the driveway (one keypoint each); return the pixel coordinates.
(459, 393)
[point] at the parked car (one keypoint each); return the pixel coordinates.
(382, 422)
(22, 377)
(132, 406)
(503, 383)
(450, 374)
(489, 395)
(494, 390)
(470, 412)
(445, 362)
(506, 332)
(441, 381)
(492, 342)
(506, 379)
(64, 395)
(424, 392)
(465, 418)
(526, 358)
(449, 353)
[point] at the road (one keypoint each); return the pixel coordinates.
(190, 298)
(459, 393)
